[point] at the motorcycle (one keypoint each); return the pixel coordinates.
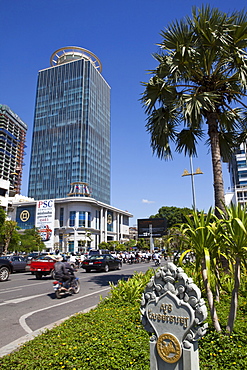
(64, 288)
(157, 262)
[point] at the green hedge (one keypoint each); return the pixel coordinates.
(112, 337)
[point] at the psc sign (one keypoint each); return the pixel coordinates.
(45, 204)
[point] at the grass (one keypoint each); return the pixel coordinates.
(112, 337)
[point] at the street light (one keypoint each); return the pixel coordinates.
(192, 174)
(75, 230)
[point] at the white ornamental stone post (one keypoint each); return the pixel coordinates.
(173, 310)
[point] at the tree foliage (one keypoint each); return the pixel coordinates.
(195, 92)
(173, 215)
(2, 217)
(209, 238)
(200, 234)
(8, 232)
(31, 241)
(234, 235)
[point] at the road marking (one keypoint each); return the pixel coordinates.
(22, 299)
(21, 286)
(10, 290)
(22, 319)
(5, 350)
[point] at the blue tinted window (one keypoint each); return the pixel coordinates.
(72, 215)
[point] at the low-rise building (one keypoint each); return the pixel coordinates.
(72, 224)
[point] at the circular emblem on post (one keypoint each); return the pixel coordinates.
(169, 348)
(24, 216)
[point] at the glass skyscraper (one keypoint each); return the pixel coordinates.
(71, 134)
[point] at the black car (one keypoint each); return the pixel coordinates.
(5, 269)
(18, 262)
(103, 262)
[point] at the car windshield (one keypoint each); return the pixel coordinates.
(44, 257)
(99, 257)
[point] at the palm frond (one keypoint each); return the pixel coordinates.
(162, 125)
(187, 139)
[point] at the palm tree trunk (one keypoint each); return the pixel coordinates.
(234, 300)
(217, 286)
(210, 298)
(216, 162)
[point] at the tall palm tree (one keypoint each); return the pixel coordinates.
(201, 77)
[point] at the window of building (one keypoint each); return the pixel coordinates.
(126, 220)
(97, 219)
(82, 219)
(61, 216)
(89, 219)
(72, 215)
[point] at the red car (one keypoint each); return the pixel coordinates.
(42, 266)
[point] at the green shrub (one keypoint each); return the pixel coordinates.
(129, 291)
(112, 337)
(108, 337)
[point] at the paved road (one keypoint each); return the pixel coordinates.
(28, 305)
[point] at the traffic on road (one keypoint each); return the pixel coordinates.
(29, 305)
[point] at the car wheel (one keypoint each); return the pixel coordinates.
(106, 268)
(87, 270)
(119, 266)
(38, 275)
(4, 273)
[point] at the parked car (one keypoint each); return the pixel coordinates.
(18, 262)
(5, 269)
(103, 262)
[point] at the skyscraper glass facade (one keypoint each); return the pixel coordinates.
(71, 134)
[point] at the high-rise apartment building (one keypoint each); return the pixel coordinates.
(12, 143)
(71, 134)
(237, 193)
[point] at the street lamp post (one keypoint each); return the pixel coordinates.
(192, 174)
(75, 230)
(151, 238)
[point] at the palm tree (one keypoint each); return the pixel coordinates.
(200, 233)
(201, 77)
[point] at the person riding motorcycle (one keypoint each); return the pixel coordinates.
(156, 259)
(63, 271)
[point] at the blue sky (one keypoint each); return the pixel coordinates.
(123, 34)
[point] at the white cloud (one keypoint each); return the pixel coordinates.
(147, 201)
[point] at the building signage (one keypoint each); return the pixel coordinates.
(155, 227)
(45, 213)
(25, 217)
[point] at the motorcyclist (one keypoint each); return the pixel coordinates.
(63, 271)
(156, 258)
